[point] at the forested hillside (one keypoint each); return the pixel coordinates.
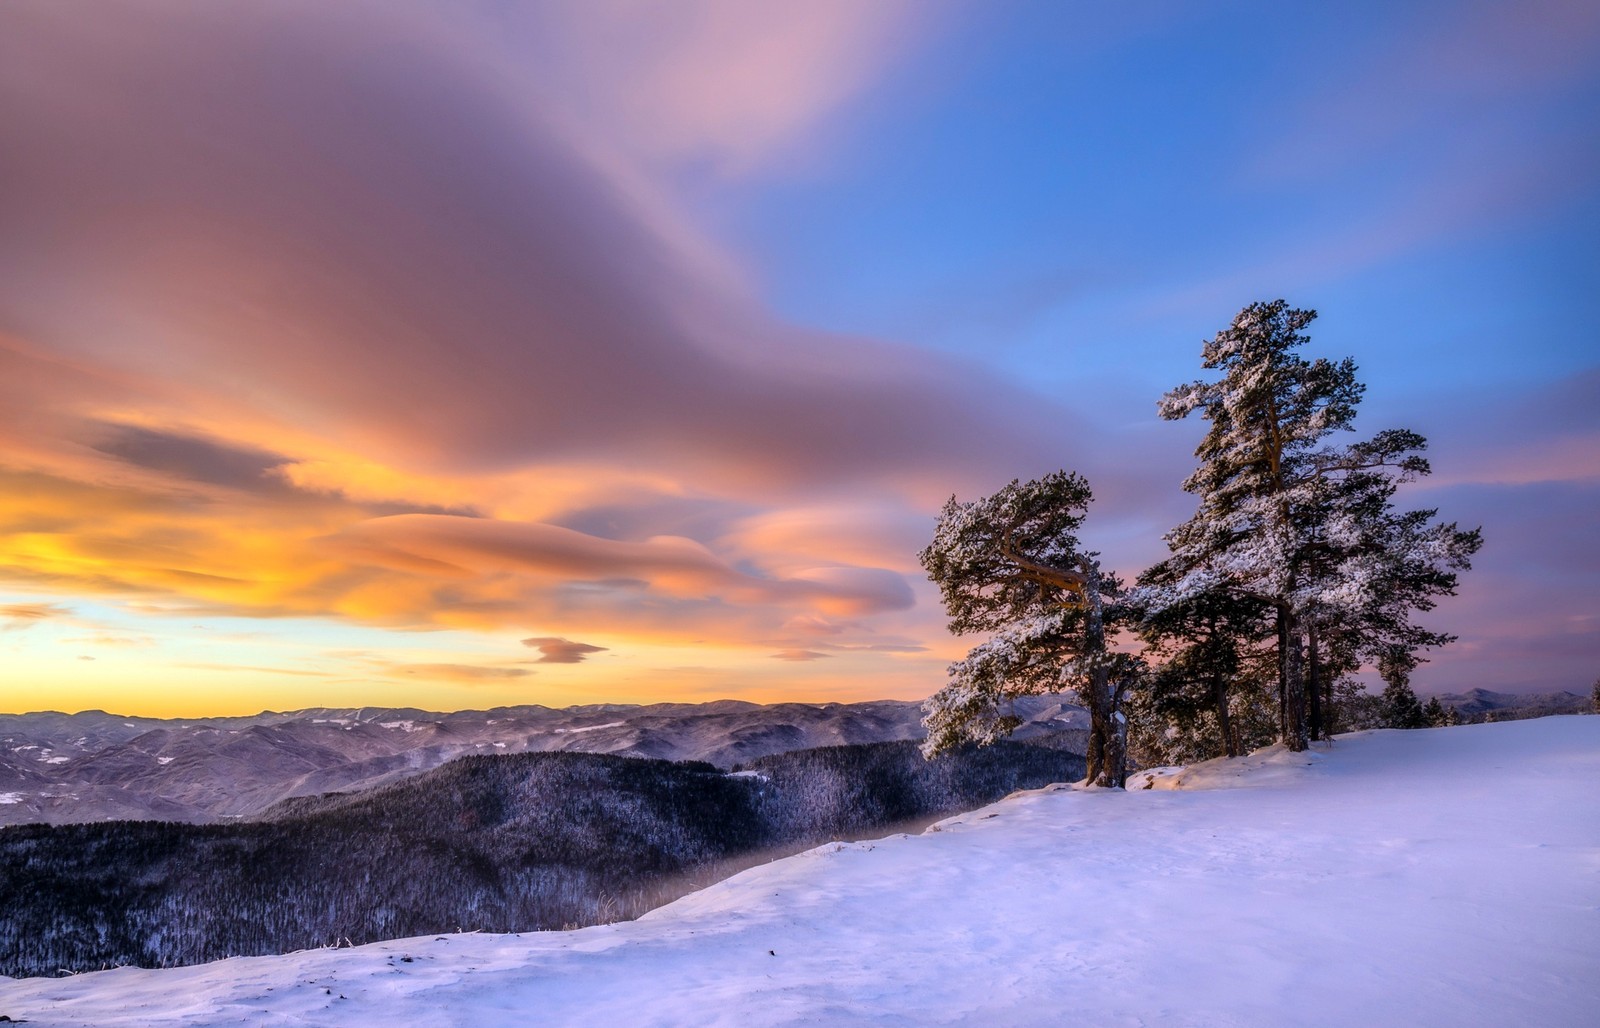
(94, 766)
(510, 843)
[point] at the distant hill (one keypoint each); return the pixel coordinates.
(1482, 704)
(93, 766)
(502, 843)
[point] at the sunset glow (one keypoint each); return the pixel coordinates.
(465, 355)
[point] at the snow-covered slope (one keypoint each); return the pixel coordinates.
(1448, 876)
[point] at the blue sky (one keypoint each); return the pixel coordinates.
(1049, 195)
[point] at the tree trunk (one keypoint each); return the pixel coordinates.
(1330, 719)
(1094, 758)
(1108, 726)
(1219, 696)
(1107, 759)
(1314, 682)
(1108, 741)
(1292, 713)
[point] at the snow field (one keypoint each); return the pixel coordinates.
(1444, 876)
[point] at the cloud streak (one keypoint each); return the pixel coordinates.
(733, 84)
(554, 650)
(17, 616)
(460, 674)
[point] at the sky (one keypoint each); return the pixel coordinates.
(475, 354)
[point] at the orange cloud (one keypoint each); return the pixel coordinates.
(25, 615)
(666, 566)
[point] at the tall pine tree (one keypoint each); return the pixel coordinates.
(1304, 528)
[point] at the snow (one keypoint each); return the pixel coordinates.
(10, 797)
(1444, 876)
(165, 760)
(589, 728)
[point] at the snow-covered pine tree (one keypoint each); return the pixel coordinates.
(1205, 685)
(1305, 528)
(1011, 564)
(1368, 566)
(1268, 413)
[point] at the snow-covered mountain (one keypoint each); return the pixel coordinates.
(1442, 876)
(1477, 703)
(93, 766)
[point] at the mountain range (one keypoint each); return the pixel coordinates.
(1481, 704)
(60, 768)
(505, 843)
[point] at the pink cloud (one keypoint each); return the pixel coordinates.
(725, 82)
(461, 674)
(798, 656)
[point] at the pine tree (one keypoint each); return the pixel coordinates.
(1401, 708)
(1370, 566)
(1176, 717)
(1435, 714)
(1011, 564)
(1355, 709)
(1304, 528)
(1268, 411)
(1594, 696)
(1206, 652)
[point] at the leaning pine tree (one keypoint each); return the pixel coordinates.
(1010, 564)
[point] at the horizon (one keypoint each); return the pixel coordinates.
(602, 704)
(457, 357)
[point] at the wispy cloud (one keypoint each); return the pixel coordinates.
(256, 668)
(555, 650)
(798, 655)
(17, 616)
(461, 674)
(111, 641)
(723, 82)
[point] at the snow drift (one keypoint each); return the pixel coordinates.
(1445, 876)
